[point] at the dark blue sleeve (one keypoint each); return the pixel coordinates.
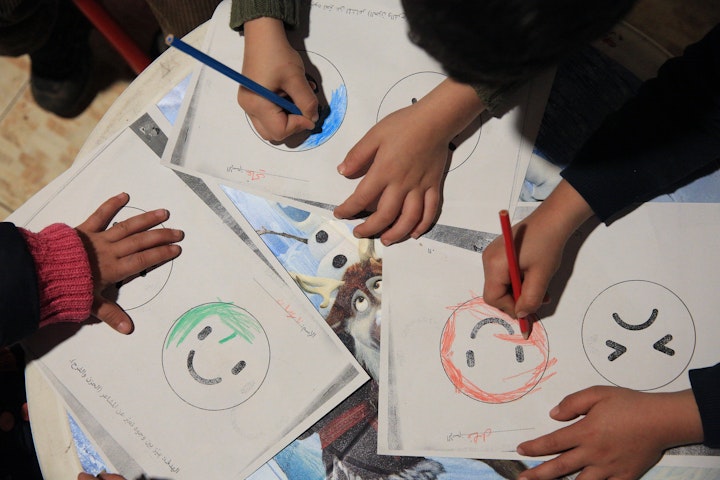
(706, 388)
(19, 301)
(665, 136)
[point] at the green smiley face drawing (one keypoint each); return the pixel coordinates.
(216, 356)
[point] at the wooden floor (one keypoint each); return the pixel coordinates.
(36, 146)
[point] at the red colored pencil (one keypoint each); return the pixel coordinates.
(513, 266)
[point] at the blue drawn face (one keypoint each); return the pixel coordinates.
(216, 356)
(638, 334)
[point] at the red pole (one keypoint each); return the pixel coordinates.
(101, 19)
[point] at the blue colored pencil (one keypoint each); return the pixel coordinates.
(251, 85)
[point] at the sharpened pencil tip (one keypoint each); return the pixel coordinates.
(169, 39)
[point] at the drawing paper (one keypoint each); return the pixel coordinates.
(225, 366)
(345, 42)
(634, 308)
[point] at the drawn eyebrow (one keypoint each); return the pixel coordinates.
(485, 321)
(642, 326)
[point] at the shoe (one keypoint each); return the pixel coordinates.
(60, 75)
(65, 97)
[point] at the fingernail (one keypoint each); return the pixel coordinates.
(386, 243)
(554, 411)
(341, 169)
(522, 314)
(520, 451)
(124, 327)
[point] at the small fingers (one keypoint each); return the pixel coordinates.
(558, 441)
(277, 125)
(136, 224)
(389, 207)
(146, 240)
(409, 216)
(564, 464)
(110, 313)
(100, 218)
(358, 160)
(430, 213)
(364, 198)
(144, 260)
(303, 96)
(534, 288)
(578, 403)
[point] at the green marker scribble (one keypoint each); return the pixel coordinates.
(237, 319)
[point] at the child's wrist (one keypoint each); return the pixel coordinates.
(64, 276)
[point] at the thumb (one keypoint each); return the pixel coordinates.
(303, 96)
(111, 313)
(534, 291)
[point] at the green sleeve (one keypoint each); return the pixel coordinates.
(495, 98)
(243, 10)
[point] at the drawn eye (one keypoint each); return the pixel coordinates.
(321, 236)
(339, 261)
(361, 303)
(202, 334)
(377, 286)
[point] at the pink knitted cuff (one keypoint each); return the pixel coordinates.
(65, 282)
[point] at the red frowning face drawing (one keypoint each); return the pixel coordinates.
(485, 356)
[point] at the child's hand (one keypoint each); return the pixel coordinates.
(623, 434)
(123, 250)
(540, 239)
(270, 61)
(404, 158)
(405, 167)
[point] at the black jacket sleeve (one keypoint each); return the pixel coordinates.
(19, 296)
(665, 135)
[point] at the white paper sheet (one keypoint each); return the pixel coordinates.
(225, 367)
(636, 310)
(367, 67)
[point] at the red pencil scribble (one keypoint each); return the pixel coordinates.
(481, 314)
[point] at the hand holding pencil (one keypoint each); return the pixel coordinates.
(270, 65)
(269, 59)
(538, 258)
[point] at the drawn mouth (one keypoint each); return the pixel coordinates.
(210, 381)
(199, 378)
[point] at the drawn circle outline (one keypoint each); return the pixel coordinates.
(173, 388)
(692, 323)
(517, 393)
